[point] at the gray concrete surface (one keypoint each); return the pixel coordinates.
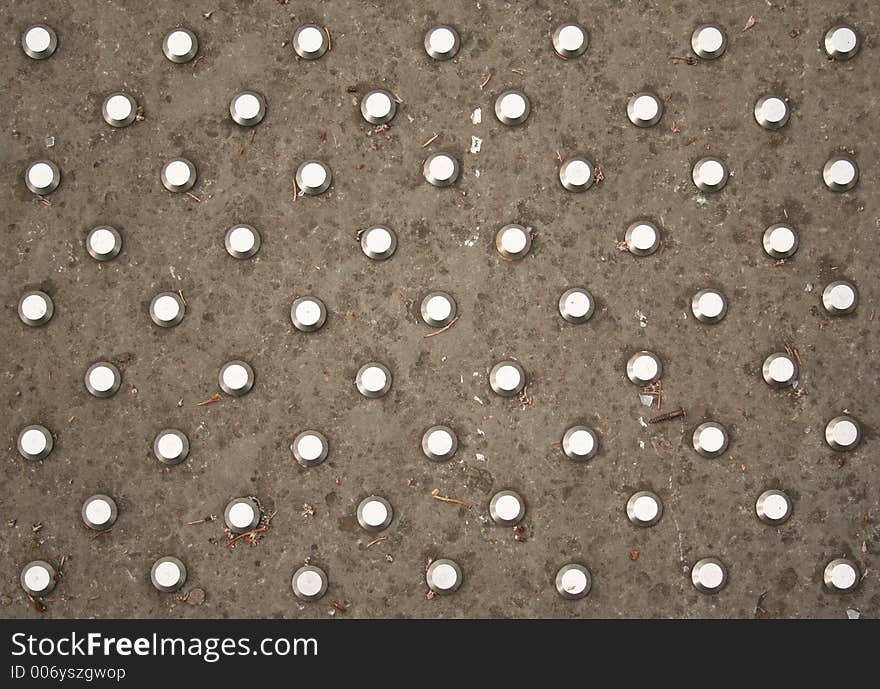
(240, 309)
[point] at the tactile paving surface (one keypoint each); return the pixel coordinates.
(576, 512)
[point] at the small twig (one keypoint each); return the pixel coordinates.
(675, 128)
(486, 81)
(213, 398)
(39, 606)
(329, 39)
(431, 140)
(750, 22)
(516, 70)
(252, 136)
(101, 533)
(691, 140)
(43, 200)
(376, 540)
(197, 61)
(203, 520)
(193, 197)
(689, 59)
(338, 606)
(182, 298)
(295, 190)
(436, 495)
(758, 606)
(443, 329)
(668, 415)
(558, 157)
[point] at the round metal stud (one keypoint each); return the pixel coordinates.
(35, 308)
(840, 297)
(38, 578)
(373, 380)
(103, 243)
(310, 448)
(438, 309)
(507, 378)
(178, 175)
(99, 512)
(247, 108)
(708, 41)
(168, 574)
(580, 443)
(513, 242)
(779, 370)
(236, 378)
(103, 379)
(35, 442)
(310, 41)
(119, 109)
(709, 174)
(313, 177)
(644, 508)
(39, 41)
(441, 169)
(644, 368)
(378, 106)
(710, 440)
(573, 581)
(780, 241)
(709, 575)
(642, 238)
(512, 107)
(242, 241)
(439, 443)
(378, 243)
(374, 513)
(841, 575)
(709, 306)
(442, 42)
(443, 576)
(570, 40)
(507, 508)
(772, 112)
(576, 174)
(309, 583)
(241, 515)
(167, 309)
(308, 314)
(773, 507)
(576, 305)
(842, 42)
(841, 173)
(180, 45)
(644, 109)
(843, 433)
(171, 446)
(42, 177)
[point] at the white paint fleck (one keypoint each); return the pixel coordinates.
(476, 144)
(477, 399)
(641, 444)
(476, 173)
(477, 116)
(642, 422)
(643, 319)
(480, 457)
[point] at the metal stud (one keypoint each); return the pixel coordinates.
(374, 513)
(236, 378)
(168, 574)
(373, 380)
(708, 41)
(42, 177)
(378, 106)
(309, 583)
(438, 309)
(644, 368)
(644, 109)
(710, 440)
(104, 243)
(507, 508)
(709, 575)
(580, 443)
(709, 174)
(513, 242)
(241, 515)
(178, 175)
(167, 309)
(38, 578)
(119, 109)
(576, 174)
(99, 512)
(378, 243)
(843, 433)
(840, 297)
(773, 507)
(439, 443)
(443, 576)
(841, 173)
(842, 42)
(35, 308)
(310, 41)
(709, 306)
(642, 238)
(573, 581)
(780, 241)
(242, 241)
(512, 107)
(441, 169)
(310, 448)
(570, 40)
(644, 508)
(442, 42)
(180, 45)
(576, 305)
(39, 41)
(35, 442)
(171, 446)
(313, 177)
(841, 575)
(247, 108)
(308, 314)
(507, 378)
(103, 379)
(779, 370)
(772, 112)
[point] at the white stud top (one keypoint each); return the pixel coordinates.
(374, 513)
(581, 443)
(309, 447)
(241, 515)
(577, 304)
(167, 574)
(37, 578)
(711, 172)
(782, 240)
(513, 240)
(645, 107)
(441, 40)
(570, 38)
(247, 106)
(444, 576)
(313, 175)
(235, 377)
(711, 304)
(508, 377)
(166, 308)
(507, 507)
(170, 446)
(774, 110)
(177, 173)
(781, 369)
(308, 312)
(711, 439)
(34, 307)
(574, 581)
(845, 433)
(102, 241)
(37, 39)
(440, 442)
(710, 39)
(645, 508)
(711, 575)
(644, 367)
(378, 105)
(33, 441)
(843, 39)
(40, 175)
(843, 576)
(179, 43)
(775, 506)
(378, 240)
(309, 583)
(643, 237)
(441, 167)
(577, 172)
(842, 297)
(513, 106)
(438, 308)
(242, 239)
(98, 512)
(118, 107)
(102, 378)
(842, 172)
(373, 379)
